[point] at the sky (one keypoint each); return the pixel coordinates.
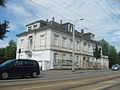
(101, 17)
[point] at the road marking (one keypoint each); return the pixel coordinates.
(101, 87)
(45, 86)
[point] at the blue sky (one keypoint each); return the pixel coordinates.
(101, 17)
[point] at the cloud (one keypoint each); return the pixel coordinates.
(98, 19)
(19, 10)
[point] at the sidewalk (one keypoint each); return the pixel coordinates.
(50, 72)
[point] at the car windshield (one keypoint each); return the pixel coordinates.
(7, 63)
(115, 65)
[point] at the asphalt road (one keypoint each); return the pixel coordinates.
(50, 80)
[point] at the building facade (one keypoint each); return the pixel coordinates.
(51, 44)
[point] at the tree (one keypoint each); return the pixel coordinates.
(113, 56)
(10, 52)
(111, 52)
(119, 57)
(2, 55)
(3, 29)
(97, 53)
(3, 26)
(2, 2)
(105, 47)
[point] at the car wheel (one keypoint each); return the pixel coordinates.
(5, 75)
(34, 74)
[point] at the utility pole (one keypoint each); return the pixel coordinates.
(73, 52)
(73, 61)
(19, 53)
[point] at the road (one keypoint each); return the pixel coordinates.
(104, 80)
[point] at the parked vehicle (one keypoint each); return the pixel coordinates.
(115, 67)
(20, 67)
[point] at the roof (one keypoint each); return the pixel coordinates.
(59, 27)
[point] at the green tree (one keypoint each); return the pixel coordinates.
(2, 2)
(97, 52)
(119, 57)
(110, 51)
(10, 52)
(113, 56)
(105, 47)
(2, 55)
(3, 26)
(3, 29)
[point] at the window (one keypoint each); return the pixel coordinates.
(64, 42)
(77, 58)
(78, 45)
(22, 44)
(42, 40)
(28, 63)
(63, 59)
(35, 26)
(29, 28)
(89, 48)
(55, 57)
(71, 57)
(19, 63)
(30, 42)
(84, 46)
(69, 62)
(71, 43)
(56, 37)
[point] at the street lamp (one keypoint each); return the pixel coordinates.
(73, 52)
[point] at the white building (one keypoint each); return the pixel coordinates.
(50, 43)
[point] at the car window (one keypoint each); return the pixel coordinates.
(9, 62)
(19, 63)
(28, 63)
(35, 63)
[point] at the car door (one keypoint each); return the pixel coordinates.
(28, 67)
(16, 68)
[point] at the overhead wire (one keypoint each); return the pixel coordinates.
(112, 7)
(52, 10)
(75, 13)
(106, 12)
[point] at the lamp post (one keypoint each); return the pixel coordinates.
(73, 52)
(73, 61)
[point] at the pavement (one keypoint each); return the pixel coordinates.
(55, 72)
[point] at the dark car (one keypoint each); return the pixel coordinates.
(115, 67)
(20, 67)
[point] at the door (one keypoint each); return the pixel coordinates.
(16, 68)
(28, 67)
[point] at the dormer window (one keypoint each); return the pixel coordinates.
(35, 26)
(29, 28)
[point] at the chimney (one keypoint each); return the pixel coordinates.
(47, 20)
(82, 31)
(60, 21)
(53, 19)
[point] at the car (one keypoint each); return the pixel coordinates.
(115, 67)
(19, 67)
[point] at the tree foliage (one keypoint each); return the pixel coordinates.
(111, 52)
(97, 52)
(2, 2)
(113, 56)
(3, 29)
(3, 26)
(105, 47)
(9, 52)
